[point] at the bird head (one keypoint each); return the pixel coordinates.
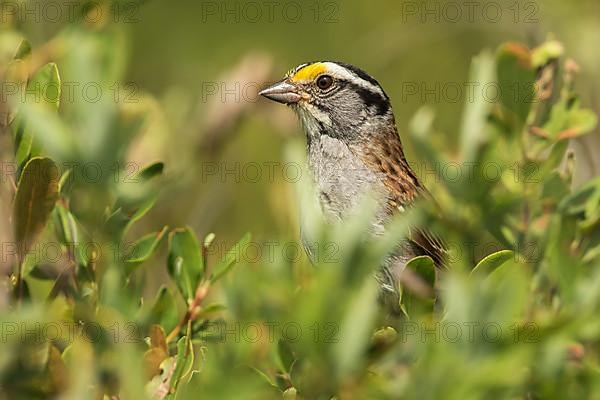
(334, 98)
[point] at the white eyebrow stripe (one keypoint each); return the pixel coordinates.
(338, 71)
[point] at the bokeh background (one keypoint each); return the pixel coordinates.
(203, 61)
(190, 71)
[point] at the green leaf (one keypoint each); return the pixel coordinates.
(421, 129)
(142, 209)
(232, 256)
(151, 171)
(36, 197)
(65, 227)
(414, 303)
(23, 51)
(584, 198)
(424, 267)
(557, 155)
(183, 362)
(507, 285)
(213, 308)
(23, 143)
(46, 85)
(473, 124)
(66, 182)
(593, 248)
(286, 356)
(144, 248)
(137, 190)
(15, 78)
(493, 261)
(47, 129)
(555, 187)
(568, 120)
(265, 377)
(67, 232)
(95, 58)
(135, 198)
(516, 78)
(185, 263)
(355, 330)
(164, 311)
(580, 121)
(42, 89)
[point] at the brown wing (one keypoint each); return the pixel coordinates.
(385, 153)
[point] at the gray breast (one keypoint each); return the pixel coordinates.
(341, 182)
(341, 179)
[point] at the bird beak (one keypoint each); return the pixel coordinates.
(282, 92)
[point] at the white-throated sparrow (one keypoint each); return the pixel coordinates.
(353, 149)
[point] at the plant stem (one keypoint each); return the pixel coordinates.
(193, 310)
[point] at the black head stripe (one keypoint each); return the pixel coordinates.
(361, 74)
(370, 98)
(374, 100)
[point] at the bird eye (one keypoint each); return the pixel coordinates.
(324, 82)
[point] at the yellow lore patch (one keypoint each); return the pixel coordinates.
(309, 72)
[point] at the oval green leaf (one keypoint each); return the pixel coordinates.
(36, 197)
(185, 263)
(492, 261)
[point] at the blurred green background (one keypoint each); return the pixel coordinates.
(190, 70)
